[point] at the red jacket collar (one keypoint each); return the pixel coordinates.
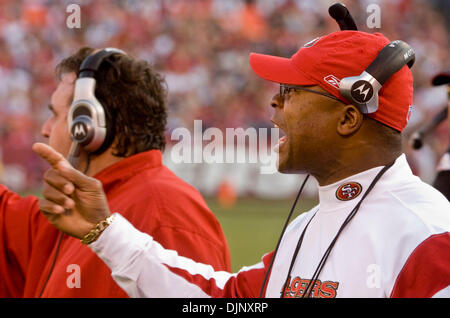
(128, 167)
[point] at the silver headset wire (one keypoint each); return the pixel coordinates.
(74, 154)
(281, 236)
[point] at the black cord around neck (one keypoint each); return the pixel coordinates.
(311, 283)
(281, 236)
(294, 257)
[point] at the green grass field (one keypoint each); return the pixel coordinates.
(252, 226)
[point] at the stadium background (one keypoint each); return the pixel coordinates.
(202, 48)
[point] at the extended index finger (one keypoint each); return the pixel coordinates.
(54, 158)
(62, 165)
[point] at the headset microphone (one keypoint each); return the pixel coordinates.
(340, 13)
(416, 140)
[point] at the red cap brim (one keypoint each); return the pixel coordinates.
(278, 69)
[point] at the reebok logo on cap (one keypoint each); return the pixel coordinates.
(332, 80)
(312, 42)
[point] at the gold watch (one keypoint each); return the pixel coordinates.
(93, 234)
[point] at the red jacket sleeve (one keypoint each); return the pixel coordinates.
(246, 283)
(426, 272)
(144, 268)
(17, 216)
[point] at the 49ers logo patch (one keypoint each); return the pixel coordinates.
(296, 287)
(348, 191)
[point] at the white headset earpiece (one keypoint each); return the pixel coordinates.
(86, 118)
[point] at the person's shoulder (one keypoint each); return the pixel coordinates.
(13, 199)
(164, 199)
(399, 215)
(402, 186)
(163, 179)
(420, 202)
(420, 240)
(405, 223)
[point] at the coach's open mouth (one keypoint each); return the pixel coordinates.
(281, 141)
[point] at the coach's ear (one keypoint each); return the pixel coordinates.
(349, 120)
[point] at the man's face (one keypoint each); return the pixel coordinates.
(308, 121)
(55, 128)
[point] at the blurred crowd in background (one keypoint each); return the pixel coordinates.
(202, 49)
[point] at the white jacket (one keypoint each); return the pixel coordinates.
(397, 245)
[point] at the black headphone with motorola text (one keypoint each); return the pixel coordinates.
(88, 118)
(362, 90)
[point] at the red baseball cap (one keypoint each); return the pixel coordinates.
(324, 61)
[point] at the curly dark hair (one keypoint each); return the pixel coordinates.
(134, 97)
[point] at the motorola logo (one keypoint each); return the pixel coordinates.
(79, 131)
(362, 91)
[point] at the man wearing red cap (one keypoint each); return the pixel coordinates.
(378, 231)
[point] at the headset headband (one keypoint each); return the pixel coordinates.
(92, 63)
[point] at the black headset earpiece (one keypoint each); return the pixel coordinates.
(87, 120)
(362, 91)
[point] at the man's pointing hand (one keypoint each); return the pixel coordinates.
(73, 202)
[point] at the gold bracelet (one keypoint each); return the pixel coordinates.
(93, 234)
